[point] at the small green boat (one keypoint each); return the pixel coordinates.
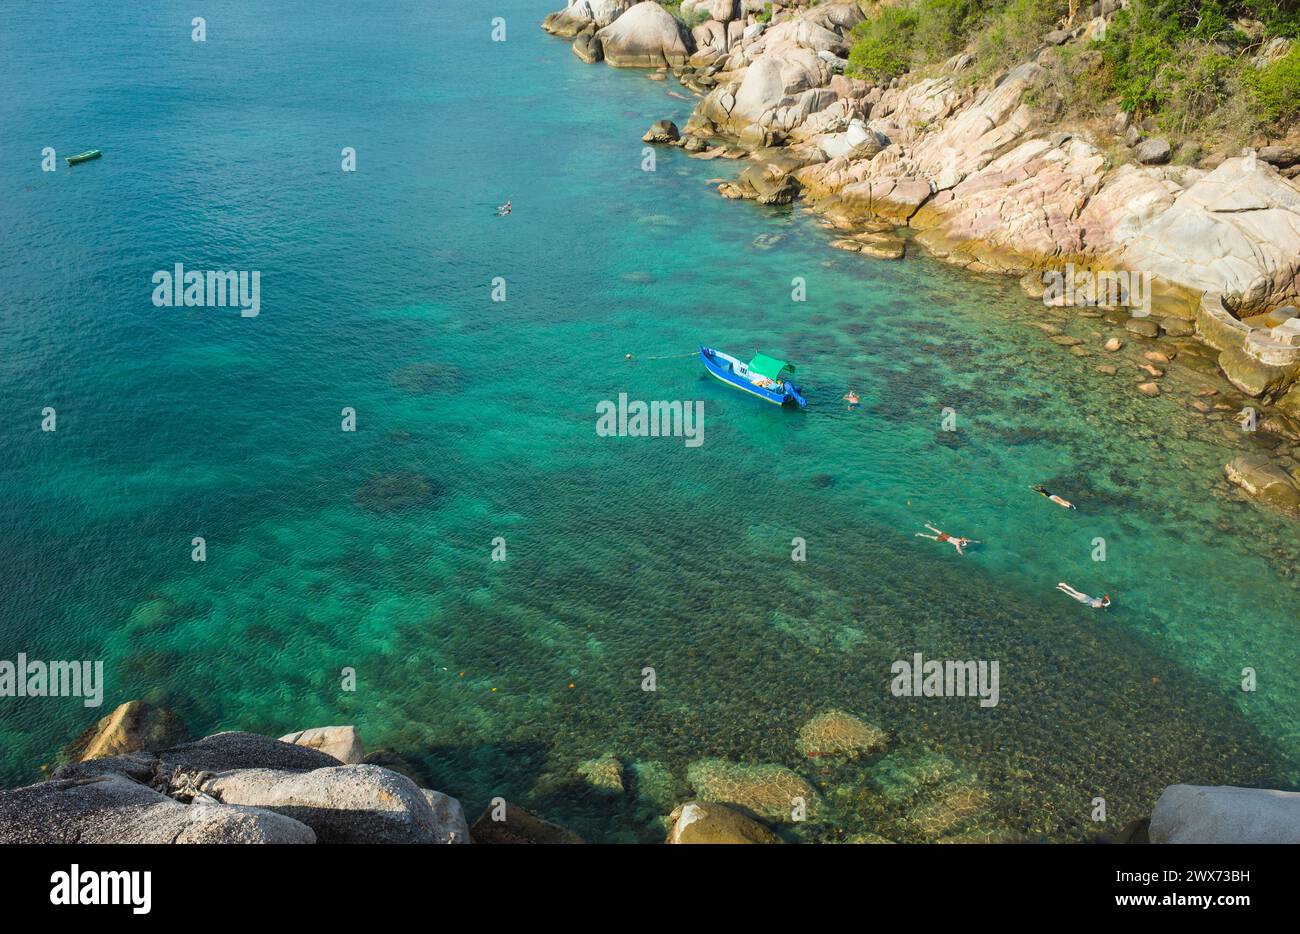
(84, 156)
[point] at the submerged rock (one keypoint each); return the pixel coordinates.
(132, 727)
(428, 377)
(654, 785)
(901, 775)
(770, 791)
(881, 245)
(604, 774)
(859, 839)
(710, 822)
(836, 733)
(1142, 327)
(397, 492)
(517, 825)
(953, 805)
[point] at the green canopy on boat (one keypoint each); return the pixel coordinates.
(770, 367)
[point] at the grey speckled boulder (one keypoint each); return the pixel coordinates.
(114, 809)
(341, 742)
(1152, 152)
(343, 804)
(1225, 814)
(137, 766)
(449, 818)
(224, 752)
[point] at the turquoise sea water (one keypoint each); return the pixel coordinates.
(476, 420)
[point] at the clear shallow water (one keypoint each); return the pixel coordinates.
(623, 553)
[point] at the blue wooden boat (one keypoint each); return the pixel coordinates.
(763, 376)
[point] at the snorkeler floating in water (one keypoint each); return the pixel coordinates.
(955, 541)
(1097, 603)
(503, 209)
(1059, 500)
(852, 397)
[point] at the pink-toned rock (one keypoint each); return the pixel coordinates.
(646, 36)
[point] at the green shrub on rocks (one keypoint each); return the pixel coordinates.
(1189, 66)
(883, 45)
(1277, 87)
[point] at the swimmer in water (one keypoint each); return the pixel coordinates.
(852, 397)
(503, 209)
(1097, 603)
(1059, 500)
(956, 542)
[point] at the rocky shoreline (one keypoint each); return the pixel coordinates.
(985, 180)
(120, 783)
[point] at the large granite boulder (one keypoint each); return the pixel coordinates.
(115, 809)
(222, 752)
(340, 742)
(580, 14)
(1225, 814)
(449, 824)
(1235, 231)
(839, 15)
(1019, 209)
(132, 727)
(137, 766)
(587, 47)
(1152, 151)
(894, 197)
(792, 78)
(768, 183)
(709, 822)
(1282, 155)
(720, 11)
(343, 804)
(810, 35)
(646, 36)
